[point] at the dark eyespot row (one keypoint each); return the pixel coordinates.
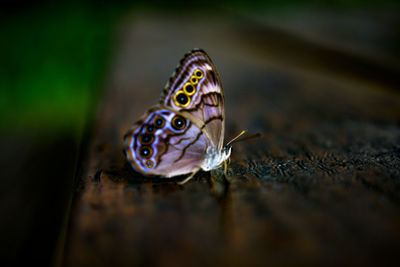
(178, 123)
(148, 138)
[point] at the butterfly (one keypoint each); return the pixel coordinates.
(184, 133)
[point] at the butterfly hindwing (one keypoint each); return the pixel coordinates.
(195, 89)
(165, 138)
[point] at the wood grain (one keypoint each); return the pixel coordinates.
(320, 187)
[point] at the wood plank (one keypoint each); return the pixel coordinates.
(320, 187)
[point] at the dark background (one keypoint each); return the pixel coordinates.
(57, 60)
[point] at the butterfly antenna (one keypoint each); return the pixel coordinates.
(233, 140)
(236, 139)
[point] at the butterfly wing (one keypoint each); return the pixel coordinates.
(166, 143)
(195, 90)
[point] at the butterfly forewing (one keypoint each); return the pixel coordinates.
(195, 90)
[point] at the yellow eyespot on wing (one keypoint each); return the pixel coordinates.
(194, 80)
(198, 74)
(181, 99)
(189, 89)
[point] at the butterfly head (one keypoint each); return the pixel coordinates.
(227, 150)
(214, 157)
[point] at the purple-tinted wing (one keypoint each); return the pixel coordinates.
(195, 90)
(165, 143)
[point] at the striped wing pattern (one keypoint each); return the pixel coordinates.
(172, 152)
(207, 104)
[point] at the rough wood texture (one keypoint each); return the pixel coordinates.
(320, 187)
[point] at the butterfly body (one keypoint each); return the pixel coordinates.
(185, 132)
(215, 158)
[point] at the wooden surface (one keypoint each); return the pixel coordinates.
(321, 187)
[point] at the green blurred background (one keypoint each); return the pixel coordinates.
(54, 66)
(53, 63)
(54, 56)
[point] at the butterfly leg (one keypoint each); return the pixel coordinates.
(188, 178)
(226, 168)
